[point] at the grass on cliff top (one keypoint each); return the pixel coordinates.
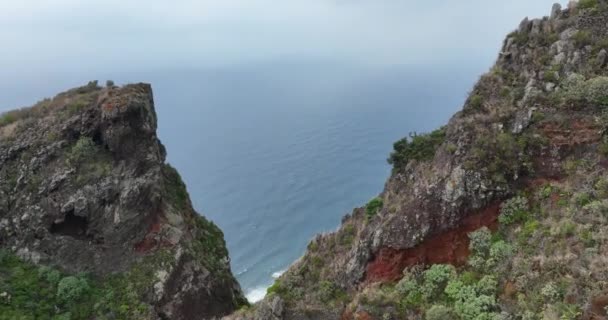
(588, 4)
(80, 97)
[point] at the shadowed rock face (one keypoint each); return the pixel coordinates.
(84, 187)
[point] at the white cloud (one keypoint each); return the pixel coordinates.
(74, 34)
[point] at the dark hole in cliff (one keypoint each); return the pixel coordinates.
(97, 138)
(73, 226)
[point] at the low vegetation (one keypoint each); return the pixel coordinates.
(31, 292)
(588, 4)
(415, 148)
(78, 99)
(544, 262)
(175, 188)
(373, 206)
(579, 91)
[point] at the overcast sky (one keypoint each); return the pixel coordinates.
(46, 36)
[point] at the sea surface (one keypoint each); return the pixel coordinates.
(276, 153)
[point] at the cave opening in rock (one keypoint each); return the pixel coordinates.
(73, 226)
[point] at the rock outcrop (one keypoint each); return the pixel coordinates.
(84, 187)
(526, 128)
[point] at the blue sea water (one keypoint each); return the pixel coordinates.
(277, 153)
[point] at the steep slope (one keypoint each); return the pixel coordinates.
(501, 214)
(85, 190)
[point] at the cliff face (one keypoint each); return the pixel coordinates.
(84, 188)
(497, 215)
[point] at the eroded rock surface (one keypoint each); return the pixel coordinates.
(84, 187)
(526, 124)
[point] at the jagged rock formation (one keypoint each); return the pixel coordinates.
(84, 187)
(534, 126)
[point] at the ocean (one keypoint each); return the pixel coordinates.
(277, 154)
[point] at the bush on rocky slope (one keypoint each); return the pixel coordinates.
(418, 147)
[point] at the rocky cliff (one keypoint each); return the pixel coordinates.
(94, 224)
(501, 214)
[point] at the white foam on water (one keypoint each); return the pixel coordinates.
(277, 274)
(256, 294)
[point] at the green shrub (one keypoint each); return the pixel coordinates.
(501, 156)
(587, 238)
(500, 251)
(588, 4)
(82, 150)
(527, 231)
(582, 199)
(545, 192)
(470, 302)
(476, 102)
(550, 76)
(513, 210)
(417, 147)
(520, 38)
(597, 208)
(347, 235)
(551, 292)
(90, 87)
(50, 275)
(487, 285)
(601, 187)
(577, 90)
(485, 255)
(567, 229)
(286, 290)
(406, 285)
(7, 118)
(603, 147)
(372, 207)
(12, 116)
(71, 289)
(439, 312)
(480, 241)
(175, 189)
(410, 288)
(435, 280)
(582, 38)
(569, 311)
(599, 45)
(597, 90)
(329, 292)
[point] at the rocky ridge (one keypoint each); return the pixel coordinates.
(483, 218)
(85, 189)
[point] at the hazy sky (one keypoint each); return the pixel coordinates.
(42, 37)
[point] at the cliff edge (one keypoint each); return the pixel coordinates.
(94, 224)
(500, 214)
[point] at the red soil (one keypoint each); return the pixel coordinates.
(448, 247)
(151, 240)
